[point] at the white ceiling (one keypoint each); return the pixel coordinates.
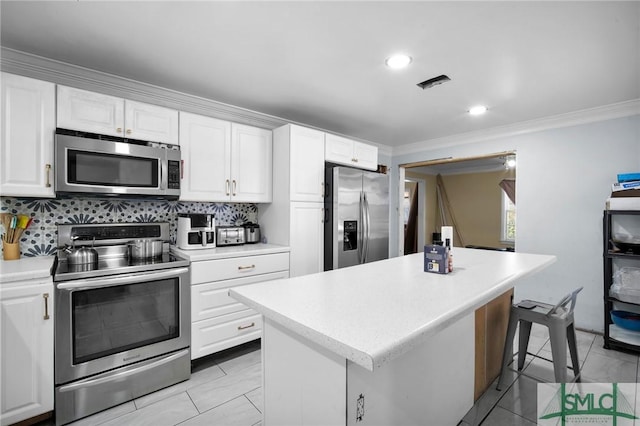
(322, 63)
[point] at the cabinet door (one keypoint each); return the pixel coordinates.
(150, 122)
(339, 150)
(90, 112)
(27, 351)
(307, 164)
(28, 127)
(205, 145)
(366, 155)
(307, 239)
(251, 164)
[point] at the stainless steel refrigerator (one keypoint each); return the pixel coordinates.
(356, 228)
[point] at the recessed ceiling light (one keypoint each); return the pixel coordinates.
(478, 110)
(398, 61)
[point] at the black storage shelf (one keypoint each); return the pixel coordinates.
(608, 258)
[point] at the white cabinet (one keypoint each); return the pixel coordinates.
(294, 218)
(205, 145)
(218, 321)
(251, 164)
(28, 127)
(26, 336)
(306, 149)
(307, 238)
(223, 161)
(346, 151)
(108, 115)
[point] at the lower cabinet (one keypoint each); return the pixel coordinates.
(26, 349)
(218, 321)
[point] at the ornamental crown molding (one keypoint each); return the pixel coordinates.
(591, 115)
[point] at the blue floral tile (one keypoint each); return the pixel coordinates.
(40, 239)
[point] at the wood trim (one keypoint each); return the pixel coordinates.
(480, 356)
(450, 160)
(491, 322)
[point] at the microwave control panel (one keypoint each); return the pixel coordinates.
(173, 181)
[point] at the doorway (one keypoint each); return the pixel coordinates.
(466, 193)
(414, 214)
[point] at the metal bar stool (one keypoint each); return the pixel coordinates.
(558, 319)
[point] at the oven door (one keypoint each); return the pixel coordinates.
(109, 322)
(96, 166)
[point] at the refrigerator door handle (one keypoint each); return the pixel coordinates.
(367, 232)
(360, 229)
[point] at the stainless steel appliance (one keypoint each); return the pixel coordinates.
(93, 164)
(229, 235)
(356, 226)
(122, 325)
(251, 233)
(196, 231)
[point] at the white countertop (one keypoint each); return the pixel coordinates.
(25, 268)
(375, 312)
(229, 251)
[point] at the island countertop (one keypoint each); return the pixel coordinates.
(373, 313)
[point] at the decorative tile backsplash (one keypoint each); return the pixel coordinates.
(40, 239)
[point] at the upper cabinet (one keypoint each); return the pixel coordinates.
(251, 164)
(205, 147)
(28, 127)
(346, 151)
(108, 115)
(306, 162)
(224, 162)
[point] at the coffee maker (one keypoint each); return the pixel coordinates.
(196, 231)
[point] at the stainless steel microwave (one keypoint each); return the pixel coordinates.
(103, 165)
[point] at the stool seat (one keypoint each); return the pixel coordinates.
(558, 319)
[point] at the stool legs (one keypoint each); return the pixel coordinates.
(507, 353)
(523, 342)
(573, 349)
(558, 340)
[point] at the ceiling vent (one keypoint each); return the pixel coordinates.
(434, 81)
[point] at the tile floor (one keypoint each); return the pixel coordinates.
(225, 389)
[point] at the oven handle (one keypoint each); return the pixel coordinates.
(122, 374)
(119, 280)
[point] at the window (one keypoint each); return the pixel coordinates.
(508, 220)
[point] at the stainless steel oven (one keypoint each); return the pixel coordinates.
(87, 163)
(122, 325)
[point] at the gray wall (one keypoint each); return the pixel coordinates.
(564, 178)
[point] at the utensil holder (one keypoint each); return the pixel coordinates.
(10, 251)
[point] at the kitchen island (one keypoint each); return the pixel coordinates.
(380, 343)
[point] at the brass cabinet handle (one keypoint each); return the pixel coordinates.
(355, 160)
(181, 169)
(47, 168)
(119, 130)
(227, 183)
(235, 187)
(46, 305)
(128, 131)
(240, 327)
(244, 268)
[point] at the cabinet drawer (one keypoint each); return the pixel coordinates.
(216, 334)
(212, 299)
(238, 267)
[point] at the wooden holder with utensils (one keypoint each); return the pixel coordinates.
(14, 226)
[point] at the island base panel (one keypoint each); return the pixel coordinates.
(431, 384)
(303, 383)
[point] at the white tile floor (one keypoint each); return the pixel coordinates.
(225, 389)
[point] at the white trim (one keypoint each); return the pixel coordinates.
(42, 68)
(606, 112)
